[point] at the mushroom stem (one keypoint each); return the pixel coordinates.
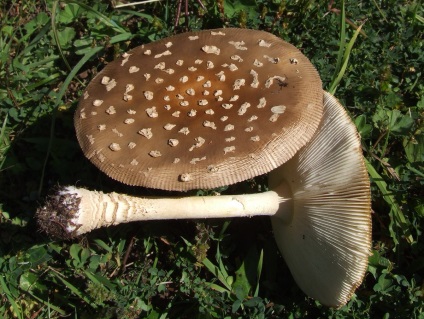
(72, 211)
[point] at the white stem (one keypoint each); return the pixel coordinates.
(77, 210)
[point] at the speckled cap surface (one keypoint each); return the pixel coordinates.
(200, 110)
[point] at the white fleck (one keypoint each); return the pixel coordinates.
(271, 59)
(227, 106)
(170, 88)
(176, 160)
(146, 132)
(212, 169)
(278, 109)
(219, 98)
(168, 44)
(115, 147)
(166, 98)
(129, 121)
(105, 80)
(257, 63)
(179, 96)
(230, 139)
(90, 139)
(147, 52)
(229, 149)
(252, 118)
(127, 97)
(101, 127)
(134, 162)
(167, 107)
(197, 159)
(83, 115)
(111, 110)
(202, 102)
(192, 113)
(169, 71)
(209, 65)
(112, 83)
(207, 84)
(234, 98)
(159, 55)
(217, 33)
(169, 126)
(217, 92)
(192, 69)
(126, 56)
(148, 95)
(263, 43)
(97, 102)
(159, 80)
(133, 69)
(173, 142)
(184, 131)
(151, 112)
(147, 76)
(262, 103)
(243, 108)
(193, 37)
(190, 92)
(179, 62)
(186, 177)
(224, 118)
(211, 49)
(200, 78)
(160, 66)
(129, 88)
(176, 114)
(199, 142)
(131, 111)
(205, 92)
(249, 129)
(232, 67)
(131, 145)
(238, 83)
(255, 82)
(239, 45)
(210, 112)
(93, 113)
(255, 138)
(229, 127)
(236, 58)
(294, 61)
(155, 154)
(209, 124)
(274, 117)
(271, 79)
(86, 95)
(184, 79)
(221, 76)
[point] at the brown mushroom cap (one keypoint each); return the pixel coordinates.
(200, 110)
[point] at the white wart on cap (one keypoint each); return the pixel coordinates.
(200, 110)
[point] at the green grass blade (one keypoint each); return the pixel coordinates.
(56, 35)
(395, 210)
(15, 307)
(346, 56)
(75, 290)
(259, 272)
(342, 39)
(106, 20)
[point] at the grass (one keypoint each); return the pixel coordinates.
(369, 53)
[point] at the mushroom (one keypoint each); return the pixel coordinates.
(319, 205)
(200, 110)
